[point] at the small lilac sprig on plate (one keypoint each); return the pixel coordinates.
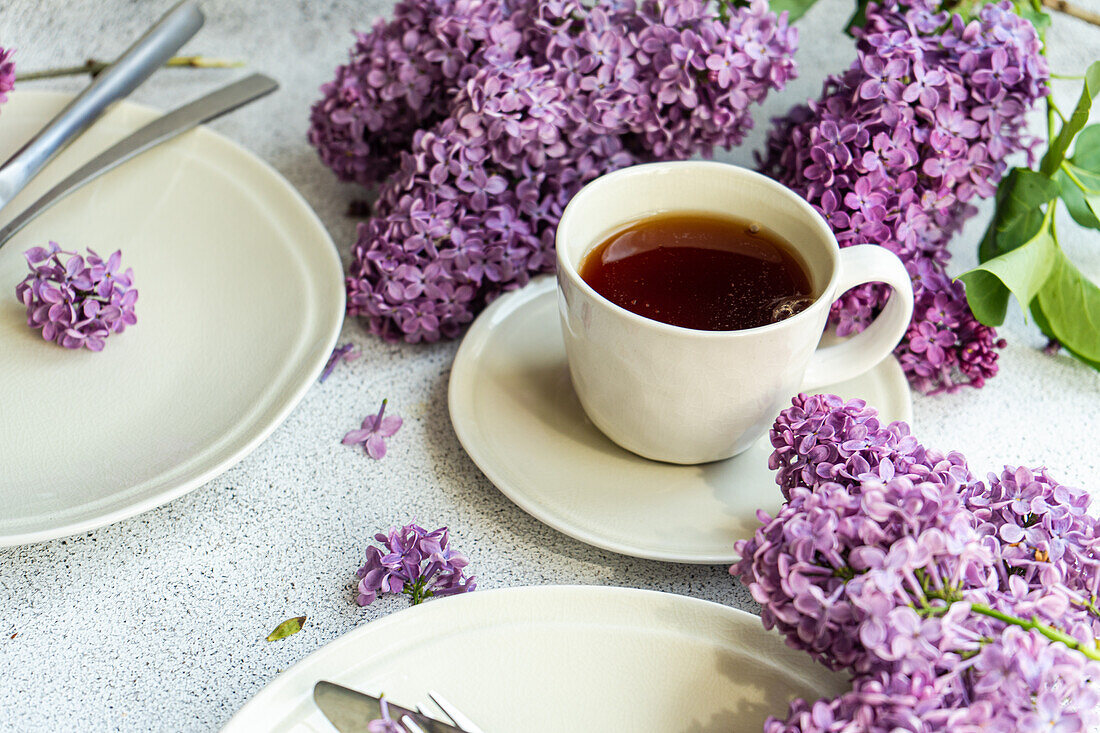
(78, 302)
(346, 352)
(415, 562)
(374, 431)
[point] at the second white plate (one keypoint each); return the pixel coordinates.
(559, 658)
(514, 411)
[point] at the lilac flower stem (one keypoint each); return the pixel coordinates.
(418, 592)
(1034, 623)
(1080, 13)
(94, 67)
(1076, 181)
(381, 412)
(1089, 605)
(1048, 631)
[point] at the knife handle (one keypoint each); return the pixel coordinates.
(204, 109)
(148, 54)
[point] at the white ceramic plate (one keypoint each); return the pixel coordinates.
(241, 300)
(559, 658)
(514, 411)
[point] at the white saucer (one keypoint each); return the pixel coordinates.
(514, 411)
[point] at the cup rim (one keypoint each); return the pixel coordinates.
(566, 268)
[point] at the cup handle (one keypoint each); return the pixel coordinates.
(865, 263)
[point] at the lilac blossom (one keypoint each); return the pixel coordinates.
(346, 352)
(957, 604)
(373, 432)
(1022, 683)
(415, 562)
(479, 120)
(79, 302)
(7, 73)
(880, 703)
(897, 148)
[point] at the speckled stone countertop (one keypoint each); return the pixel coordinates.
(158, 622)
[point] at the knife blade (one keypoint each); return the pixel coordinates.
(133, 67)
(351, 711)
(206, 108)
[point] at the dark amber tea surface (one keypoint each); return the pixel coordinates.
(696, 271)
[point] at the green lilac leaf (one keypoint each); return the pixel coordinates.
(1075, 201)
(1044, 326)
(858, 19)
(1071, 304)
(287, 628)
(1021, 272)
(1018, 216)
(1083, 205)
(1086, 150)
(1075, 123)
(1085, 166)
(795, 8)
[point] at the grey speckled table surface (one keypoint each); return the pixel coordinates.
(158, 622)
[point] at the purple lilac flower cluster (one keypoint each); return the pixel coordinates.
(79, 302)
(957, 604)
(1021, 683)
(7, 73)
(480, 119)
(413, 561)
(897, 147)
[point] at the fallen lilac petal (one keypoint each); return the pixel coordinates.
(373, 432)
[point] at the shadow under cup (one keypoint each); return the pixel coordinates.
(670, 393)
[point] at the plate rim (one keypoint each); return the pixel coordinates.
(246, 718)
(283, 407)
(476, 337)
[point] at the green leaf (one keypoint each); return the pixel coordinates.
(1044, 326)
(1086, 150)
(859, 18)
(1085, 167)
(1071, 304)
(1083, 203)
(287, 628)
(795, 8)
(1019, 214)
(1021, 272)
(1076, 122)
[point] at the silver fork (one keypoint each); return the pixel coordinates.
(455, 715)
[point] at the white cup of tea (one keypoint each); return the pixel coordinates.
(689, 396)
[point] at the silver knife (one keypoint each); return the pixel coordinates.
(350, 711)
(133, 67)
(204, 109)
